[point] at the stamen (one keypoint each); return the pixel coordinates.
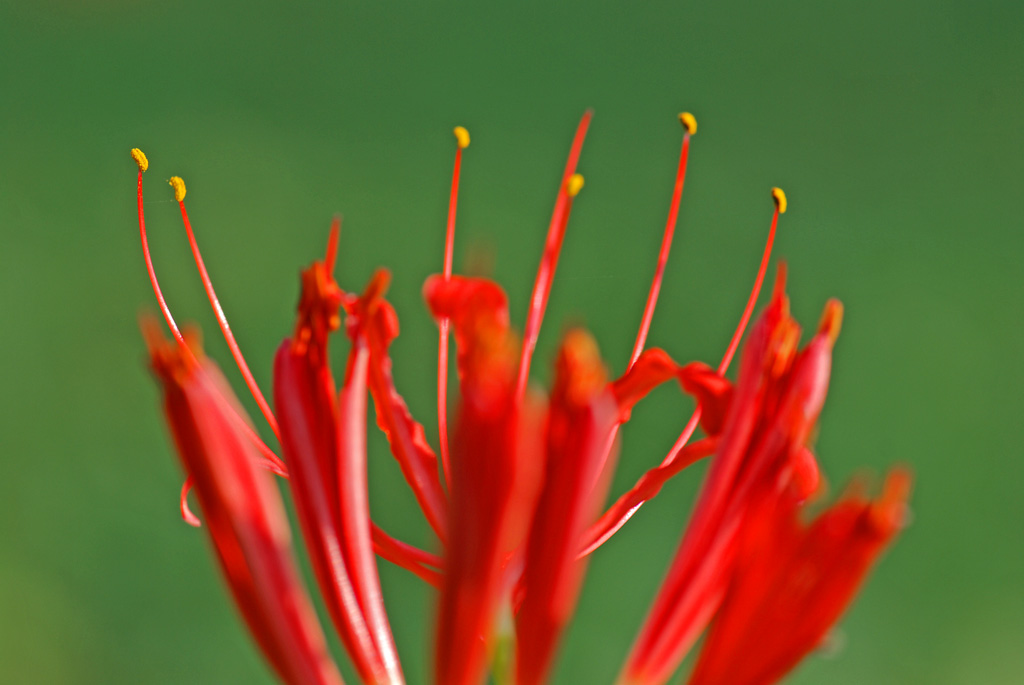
(748, 310)
(462, 142)
(575, 185)
(179, 194)
(629, 503)
(780, 199)
(178, 184)
(552, 249)
(143, 162)
(271, 461)
(140, 158)
(690, 124)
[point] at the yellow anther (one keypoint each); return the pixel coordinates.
(688, 122)
(574, 185)
(780, 199)
(179, 187)
(461, 137)
(140, 158)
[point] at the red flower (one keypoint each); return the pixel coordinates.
(516, 500)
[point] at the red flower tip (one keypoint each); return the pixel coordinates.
(171, 360)
(319, 304)
(890, 512)
(371, 310)
(579, 371)
(831, 321)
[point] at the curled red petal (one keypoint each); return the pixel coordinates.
(652, 368)
(375, 319)
(712, 391)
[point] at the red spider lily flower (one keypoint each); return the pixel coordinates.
(515, 498)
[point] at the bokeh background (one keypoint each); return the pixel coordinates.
(893, 126)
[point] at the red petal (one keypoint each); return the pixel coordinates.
(246, 519)
(769, 417)
(495, 480)
(304, 398)
(583, 412)
(712, 391)
(793, 583)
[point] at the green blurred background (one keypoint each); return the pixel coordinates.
(895, 129)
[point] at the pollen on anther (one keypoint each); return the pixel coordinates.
(780, 199)
(178, 184)
(689, 122)
(574, 185)
(461, 137)
(140, 158)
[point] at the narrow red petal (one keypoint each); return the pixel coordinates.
(304, 397)
(582, 413)
(246, 518)
(354, 505)
(495, 476)
(405, 435)
(324, 439)
(794, 582)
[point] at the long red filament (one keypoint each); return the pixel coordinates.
(617, 515)
(666, 246)
(272, 462)
(659, 272)
(164, 309)
(222, 321)
(734, 342)
(549, 260)
(442, 344)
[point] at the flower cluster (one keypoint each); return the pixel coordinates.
(516, 499)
